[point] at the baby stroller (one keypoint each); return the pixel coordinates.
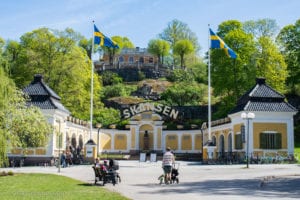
(174, 175)
(107, 174)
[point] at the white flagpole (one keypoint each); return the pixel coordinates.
(209, 90)
(92, 86)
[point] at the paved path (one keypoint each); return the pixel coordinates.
(139, 181)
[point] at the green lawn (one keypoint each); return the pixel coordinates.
(46, 186)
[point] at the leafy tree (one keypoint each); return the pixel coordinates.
(63, 64)
(289, 40)
(86, 45)
(110, 78)
(261, 28)
(177, 30)
(160, 48)
(231, 78)
(123, 42)
(180, 75)
(271, 64)
(107, 116)
(117, 90)
(184, 94)
(20, 125)
(182, 48)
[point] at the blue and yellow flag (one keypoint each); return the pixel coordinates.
(218, 43)
(102, 40)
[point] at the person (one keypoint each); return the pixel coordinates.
(97, 162)
(167, 162)
(63, 159)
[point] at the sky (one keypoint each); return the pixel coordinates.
(139, 20)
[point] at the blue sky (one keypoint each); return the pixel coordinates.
(139, 20)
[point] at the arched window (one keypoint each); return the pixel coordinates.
(121, 59)
(131, 60)
(141, 60)
(150, 60)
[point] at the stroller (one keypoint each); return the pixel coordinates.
(109, 175)
(174, 175)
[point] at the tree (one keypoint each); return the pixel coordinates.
(20, 125)
(261, 28)
(231, 78)
(180, 75)
(271, 64)
(177, 30)
(64, 65)
(182, 48)
(110, 78)
(289, 40)
(184, 94)
(160, 48)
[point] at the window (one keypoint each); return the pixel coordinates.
(150, 60)
(270, 140)
(131, 59)
(171, 137)
(121, 59)
(238, 141)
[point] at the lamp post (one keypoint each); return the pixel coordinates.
(247, 116)
(99, 128)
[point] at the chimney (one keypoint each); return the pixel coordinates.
(260, 81)
(37, 78)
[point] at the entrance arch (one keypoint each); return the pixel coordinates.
(146, 137)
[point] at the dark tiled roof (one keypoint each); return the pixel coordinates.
(43, 96)
(263, 98)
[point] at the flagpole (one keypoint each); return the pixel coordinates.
(92, 86)
(209, 90)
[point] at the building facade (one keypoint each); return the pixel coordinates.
(271, 132)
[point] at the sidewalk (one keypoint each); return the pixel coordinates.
(139, 181)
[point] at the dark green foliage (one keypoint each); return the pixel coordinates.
(110, 78)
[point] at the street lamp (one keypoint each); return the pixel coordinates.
(247, 116)
(99, 128)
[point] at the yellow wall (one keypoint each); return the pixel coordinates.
(120, 141)
(40, 151)
(186, 142)
(172, 143)
(105, 141)
(133, 138)
(158, 138)
(198, 142)
(277, 127)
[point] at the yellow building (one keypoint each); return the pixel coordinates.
(271, 131)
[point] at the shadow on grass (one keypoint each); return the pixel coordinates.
(284, 187)
(87, 184)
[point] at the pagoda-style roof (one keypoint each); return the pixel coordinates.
(263, 98)
(42, 95)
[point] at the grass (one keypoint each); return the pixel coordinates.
(297, 152)
(47, 186)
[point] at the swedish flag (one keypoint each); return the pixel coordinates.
(102, 40)
(218, 43)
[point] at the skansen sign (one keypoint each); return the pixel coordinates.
(144, 107)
